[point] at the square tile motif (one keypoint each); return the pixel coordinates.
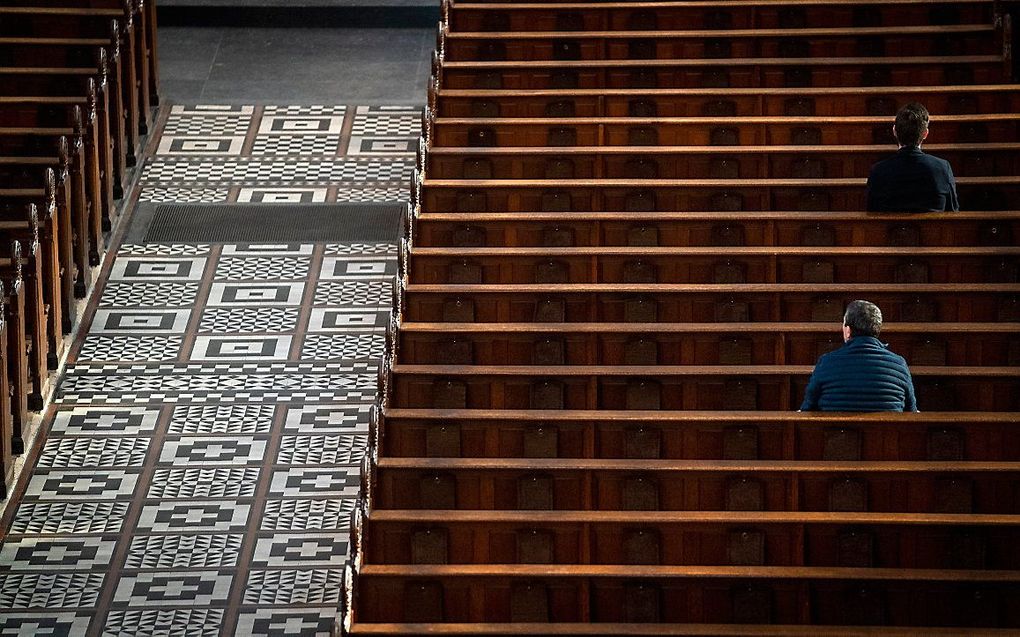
(297, 550)
(212, 109)
(314, 110)
(354, 293)
(340, 268)
(193, 588)
(131, 421)
(209, 450)
(236, 347)
(74, 553)
(339, 481)
(151, 269)
(200, 146)
(371, 146)
(307, 622)
(328, 419)
(109, 484)
(45, 624)
(157, 295)
(272, 124)
(282, 194)
(347, 320)
(149, 321)
(268, 250)
(255, 294)
(207, 124)
(216, 516)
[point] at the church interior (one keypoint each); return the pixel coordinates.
(496, 317)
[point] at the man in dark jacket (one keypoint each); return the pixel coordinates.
(862, 375)
(910, 180)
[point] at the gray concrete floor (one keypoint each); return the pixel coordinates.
(294, 66)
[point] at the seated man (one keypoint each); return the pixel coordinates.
(862, 375)
(910, 180)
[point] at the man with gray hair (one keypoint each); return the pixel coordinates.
(862, 375)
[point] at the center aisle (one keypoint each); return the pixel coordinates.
(201, 460)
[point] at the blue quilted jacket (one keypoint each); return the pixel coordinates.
(862, 375)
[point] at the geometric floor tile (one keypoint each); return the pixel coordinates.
(293, 249)
(348, 320)
(247, 348)
(49, 590)
(163, 250)
(360, 268)
(191, 588)
(181, 269)
(249, 319)
(327, 145)
(307, 514)
(175, 622)
(322, 450)
(356, 249)
(342, 346)
(392, 194)
(67, 553)
(335, 481)
(137, 321)
(221, 419)
(306, 549)
(328, 419)
(207, 450)
(194, 516)
(368, 146)
(84, 453)
(305, 586)
(184, 195)
(225, 482)
(354, 293)
(184, 551)
(386, 125)
(69, 517)
(107, 484)
(317, 109)
(207, 125)
(280, 194)
(130, 348)
(200, 146)
(149, 294)
(296, 125)
(105, 421)
(262, 268)
(45, 624)
(255, 294)
(267, 622)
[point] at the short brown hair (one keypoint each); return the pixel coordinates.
(863, 318)
(911, 124)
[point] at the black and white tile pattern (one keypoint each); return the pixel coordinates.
(201, 463)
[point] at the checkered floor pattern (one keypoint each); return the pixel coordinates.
(201, 461)
(283, 154)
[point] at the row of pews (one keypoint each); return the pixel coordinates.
(78, 92)
(634, 227)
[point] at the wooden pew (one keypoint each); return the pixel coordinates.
(6, 417)
(94, 22)
(722, 102)
(696, 435)
(18, 350)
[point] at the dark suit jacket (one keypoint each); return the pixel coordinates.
(912, 181)
(863, 375)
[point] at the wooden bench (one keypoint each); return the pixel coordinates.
(18, 348)
(698, 435)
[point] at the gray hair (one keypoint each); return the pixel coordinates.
(863, 318)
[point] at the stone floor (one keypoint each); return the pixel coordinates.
(201, 456)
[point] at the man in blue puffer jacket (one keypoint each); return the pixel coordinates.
(863, 375)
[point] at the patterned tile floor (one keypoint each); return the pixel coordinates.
(201, 460)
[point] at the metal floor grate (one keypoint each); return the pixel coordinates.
(242, 223)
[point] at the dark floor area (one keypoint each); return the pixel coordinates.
(294, 66)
